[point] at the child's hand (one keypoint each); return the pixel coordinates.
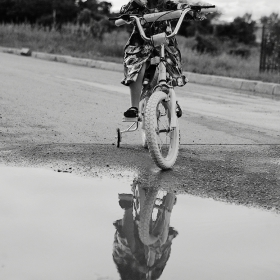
(141, 2)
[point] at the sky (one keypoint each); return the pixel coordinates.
(233, 8)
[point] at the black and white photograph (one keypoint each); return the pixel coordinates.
(139, 140)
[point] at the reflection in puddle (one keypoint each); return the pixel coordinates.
(59, 226)
(143, 238)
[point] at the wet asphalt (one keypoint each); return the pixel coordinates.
(64, 118)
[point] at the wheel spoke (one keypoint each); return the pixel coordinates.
(166, 127)
(163, 130)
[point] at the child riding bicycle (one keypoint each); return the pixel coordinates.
(137, 52)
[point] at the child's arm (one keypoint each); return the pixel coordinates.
(176, 5)
(133, 7)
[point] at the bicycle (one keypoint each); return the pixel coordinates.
(157, 119)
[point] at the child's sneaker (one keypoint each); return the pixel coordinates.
(132, 112)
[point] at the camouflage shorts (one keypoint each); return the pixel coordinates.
(137, 53)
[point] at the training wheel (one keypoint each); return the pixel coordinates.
(119, 137)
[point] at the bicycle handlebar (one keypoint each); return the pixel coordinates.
(172, 15)
(161, 16)
(154, 17)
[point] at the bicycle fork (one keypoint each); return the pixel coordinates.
(171, 96)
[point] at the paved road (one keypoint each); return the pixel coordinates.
(64, 117)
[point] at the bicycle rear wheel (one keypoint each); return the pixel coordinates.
(163, 142)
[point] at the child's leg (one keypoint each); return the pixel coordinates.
(136, 87)
(126, 202)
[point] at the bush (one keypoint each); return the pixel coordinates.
(242, 52)
(242, 29)
(206, 44)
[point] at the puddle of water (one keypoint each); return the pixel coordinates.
(222, 241)
(59, 226)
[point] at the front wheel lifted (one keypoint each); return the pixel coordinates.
(163, 142)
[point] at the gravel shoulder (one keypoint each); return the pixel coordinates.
(240, 175)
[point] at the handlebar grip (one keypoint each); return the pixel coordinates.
(208, 7)
(211, 10)
(120, 22)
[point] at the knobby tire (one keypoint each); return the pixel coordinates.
(145, 218)
(151, 126)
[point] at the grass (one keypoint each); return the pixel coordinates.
(71, 40)
(78, 42)
(224, 64)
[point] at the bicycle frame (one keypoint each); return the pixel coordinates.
(171, 96)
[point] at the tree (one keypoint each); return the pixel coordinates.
(27, 11)
(190, 28)
(5, 7)
(66, 10)
(92, 5)
(104, 7)
(242, 29)
(272, 19)
(84, 16)
(31, 11)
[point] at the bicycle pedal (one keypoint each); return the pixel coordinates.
(130, 119)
